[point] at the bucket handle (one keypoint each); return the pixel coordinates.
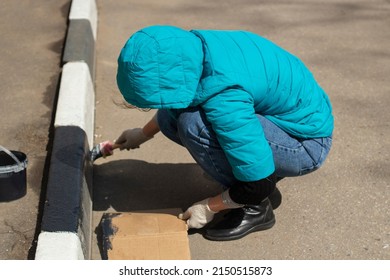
(11, 155)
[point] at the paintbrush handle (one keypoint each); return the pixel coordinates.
(115, 146)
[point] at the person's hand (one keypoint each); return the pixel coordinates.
(131, 139)
(198, 215)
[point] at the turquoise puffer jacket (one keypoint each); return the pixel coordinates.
(232, 75)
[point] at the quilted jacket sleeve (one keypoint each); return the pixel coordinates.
(240, 134)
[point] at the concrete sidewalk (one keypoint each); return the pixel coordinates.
(339, 212)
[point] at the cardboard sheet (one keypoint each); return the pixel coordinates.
(144, 236)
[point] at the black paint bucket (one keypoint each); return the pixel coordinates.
(13, 177)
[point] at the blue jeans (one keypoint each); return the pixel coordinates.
(292, 156)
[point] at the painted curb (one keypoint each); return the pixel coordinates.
(66, 229)
(68, 205)
(85, 9)
(80, 44)
(62, 245)
(76, 99)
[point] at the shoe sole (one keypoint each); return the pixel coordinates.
(261, 227)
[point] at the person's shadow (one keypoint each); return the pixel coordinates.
(138, 186)
(134, 185)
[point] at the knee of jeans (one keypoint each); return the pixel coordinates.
(190, 126)
(315, 163)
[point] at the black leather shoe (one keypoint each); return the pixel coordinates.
(239, 222)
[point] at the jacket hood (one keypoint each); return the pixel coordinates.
(160, 67)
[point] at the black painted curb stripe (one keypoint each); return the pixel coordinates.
(66, 177)
(80, 44)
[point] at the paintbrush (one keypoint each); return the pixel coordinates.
(103, 149)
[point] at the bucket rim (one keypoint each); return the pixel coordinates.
(19, 166)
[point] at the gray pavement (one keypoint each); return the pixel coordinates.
(32, 37)
(338, 212)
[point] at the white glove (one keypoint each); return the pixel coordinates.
(198, 215)
(132, 139)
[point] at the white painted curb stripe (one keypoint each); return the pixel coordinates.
(85, 9)
(59, 246)
(76, 101)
